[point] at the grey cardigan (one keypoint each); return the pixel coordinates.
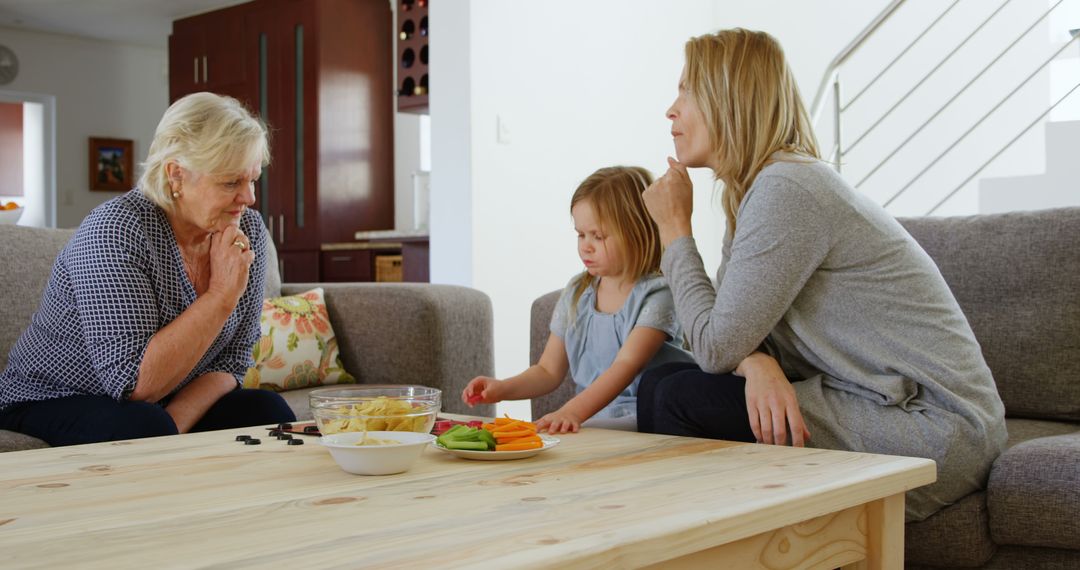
(849, 304)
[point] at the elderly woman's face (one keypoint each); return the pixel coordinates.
(688, 128)
(213, 202)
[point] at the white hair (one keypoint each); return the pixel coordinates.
(205, 134)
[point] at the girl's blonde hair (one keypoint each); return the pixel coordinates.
(204, 133)
(615, 196)
(748, 96)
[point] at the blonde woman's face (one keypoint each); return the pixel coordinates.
(688, 129)
(213, 202)
(596, 249)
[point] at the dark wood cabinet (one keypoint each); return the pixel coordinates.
(347, 265)
(299, 266)
(320, 74)
(402, 258)
(206, 54)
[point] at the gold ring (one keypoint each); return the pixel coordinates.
(240, 244)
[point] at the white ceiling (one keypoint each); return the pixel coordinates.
(143, 22)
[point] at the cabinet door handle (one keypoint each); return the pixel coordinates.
(271, 219)
(281, 228)
(340, 258)
(205, 70)
(196, 69)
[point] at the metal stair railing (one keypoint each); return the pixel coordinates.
(832, 79)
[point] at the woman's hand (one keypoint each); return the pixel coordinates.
(559, 421)
(482, 390)
(670, 201)
(771, 402)
(230, 264)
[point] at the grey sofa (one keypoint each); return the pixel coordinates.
(388, 333)
(1017, 278)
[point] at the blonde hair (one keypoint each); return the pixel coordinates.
(615, 195)
(204, 133)
(747, 94)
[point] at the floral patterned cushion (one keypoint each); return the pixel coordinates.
(297, 348)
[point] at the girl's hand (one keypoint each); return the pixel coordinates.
(559, 421)
(482, 390)
(771, 402)
(230, 264)
(670, 201)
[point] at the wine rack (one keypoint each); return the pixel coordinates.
(412, 56)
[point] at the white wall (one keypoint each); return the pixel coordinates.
(34, 189)
(101, 89)
(575, 86)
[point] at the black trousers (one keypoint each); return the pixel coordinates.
(75, 420)
(681, 399)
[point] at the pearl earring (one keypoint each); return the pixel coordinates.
(176, 194)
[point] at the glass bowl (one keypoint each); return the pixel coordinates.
(375, 408)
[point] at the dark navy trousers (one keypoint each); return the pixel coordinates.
(90, 419)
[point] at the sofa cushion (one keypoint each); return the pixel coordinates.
(957, 536)
(1030, 558)
(13, 441)
(1034, 493)
(35, 250)
(297, 347)
(1015, 276)
(540, 329)
(1021, 430)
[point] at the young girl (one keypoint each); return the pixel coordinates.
(613, 321)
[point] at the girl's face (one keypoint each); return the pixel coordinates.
(213, 202)
(688, 129)
(598, 251)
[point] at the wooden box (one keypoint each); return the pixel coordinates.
(388, 269)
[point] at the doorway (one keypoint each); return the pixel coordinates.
(37, 133)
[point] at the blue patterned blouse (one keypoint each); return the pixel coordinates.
(117, 282)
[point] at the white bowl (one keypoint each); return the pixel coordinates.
(376, 459)
(11, 216)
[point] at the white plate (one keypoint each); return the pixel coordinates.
(549, 442)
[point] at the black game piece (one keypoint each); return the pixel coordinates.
(284, 436)
(252, 441)
(275, 432)
(284, 426)
(296, 442)
(243, 437)
(310, 429)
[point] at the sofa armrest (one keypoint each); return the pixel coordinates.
(412, 333)
(539, 330)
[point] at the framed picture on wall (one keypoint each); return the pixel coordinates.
(111, 164)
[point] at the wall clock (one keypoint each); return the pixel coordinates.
(9, 65)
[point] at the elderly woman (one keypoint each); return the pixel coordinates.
(148, 320)
(818, 285)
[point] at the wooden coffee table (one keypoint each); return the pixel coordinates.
(600, 499)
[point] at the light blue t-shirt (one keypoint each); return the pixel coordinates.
(594, 338)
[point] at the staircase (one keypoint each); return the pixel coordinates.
(960, 107)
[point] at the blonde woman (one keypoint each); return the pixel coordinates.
(612, 321)
(147, 323)
(829, 325)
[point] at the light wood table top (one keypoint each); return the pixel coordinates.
(600, 499)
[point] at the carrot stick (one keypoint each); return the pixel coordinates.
(519, 446)
(513, 434)
(504, 422)
(524, 439)
(508, 428)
